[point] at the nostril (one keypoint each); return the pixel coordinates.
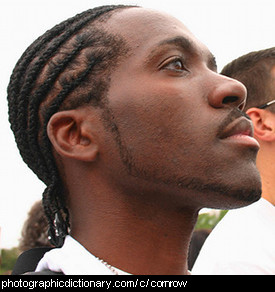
(230, 99)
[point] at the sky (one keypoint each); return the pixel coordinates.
(229, 29)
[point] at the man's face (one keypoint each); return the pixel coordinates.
(177, 122)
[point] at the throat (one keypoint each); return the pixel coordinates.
(138, 245)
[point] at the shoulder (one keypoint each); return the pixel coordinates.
(28, 260)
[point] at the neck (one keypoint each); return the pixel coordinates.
(135, 237)
(268, 189)
(266, 168)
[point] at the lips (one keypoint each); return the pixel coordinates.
(239, 127)
(240, 132)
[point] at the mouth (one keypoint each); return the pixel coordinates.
(240, 131)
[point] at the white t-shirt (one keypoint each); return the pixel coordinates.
(73, 259)
(243, 243)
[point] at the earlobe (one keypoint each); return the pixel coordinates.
(70, 137)
(263, 122)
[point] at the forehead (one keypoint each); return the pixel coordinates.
(147, 29)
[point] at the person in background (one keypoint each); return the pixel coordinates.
(121, 112)
(34, 240)
(35, 229)
(244, 240)
(198, 238)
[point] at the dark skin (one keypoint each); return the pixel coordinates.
(138, 170)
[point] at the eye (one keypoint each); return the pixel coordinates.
(174, 64)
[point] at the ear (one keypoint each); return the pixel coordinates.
(264, 124)
(71, 135)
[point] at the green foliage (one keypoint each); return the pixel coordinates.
(209, 221)
(8, 259)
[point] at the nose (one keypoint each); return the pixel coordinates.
(227, 92)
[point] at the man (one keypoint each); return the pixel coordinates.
(143, 132)
(244, 241)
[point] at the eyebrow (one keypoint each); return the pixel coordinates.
(180, 41)
(188, 46)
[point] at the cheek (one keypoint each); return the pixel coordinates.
(149, 117)
(157, 127)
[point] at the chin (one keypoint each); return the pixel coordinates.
(238, 195)
(241, 186)
(232, 199)
(234, 191)
(239, 199)
(248, 190)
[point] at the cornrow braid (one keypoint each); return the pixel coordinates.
(65, 68)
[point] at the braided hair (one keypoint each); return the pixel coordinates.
(63, 69)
